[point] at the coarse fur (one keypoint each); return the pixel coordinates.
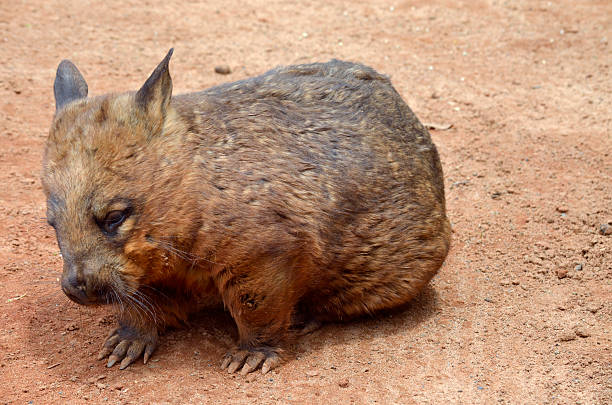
(309, 193)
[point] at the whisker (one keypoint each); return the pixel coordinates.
(116, 299)
(136, 306)
(143, 303)
(187, 256)
(156, 291)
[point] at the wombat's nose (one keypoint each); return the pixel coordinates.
(74, 281)
(74, 288)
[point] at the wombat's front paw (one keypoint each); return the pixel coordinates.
(127, 344)
(251, 359)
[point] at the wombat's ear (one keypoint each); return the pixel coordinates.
(154, 96)
(69, 84)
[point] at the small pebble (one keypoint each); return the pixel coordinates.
(566, 336)
(593, 308)
(101, 386)
(562, 209)
(343, 383)
(534, 259)
(561, 273)
(223, 69)
(582, 332)
(312, 373)
(605, 229)
(578, 267)
(72, 326)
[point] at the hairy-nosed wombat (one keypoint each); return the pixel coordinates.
(308, 194)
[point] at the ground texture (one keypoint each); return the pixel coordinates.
(521, 312)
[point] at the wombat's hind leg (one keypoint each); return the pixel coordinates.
(126, 344)
(303, 323)
(309, 327)
(251, 359)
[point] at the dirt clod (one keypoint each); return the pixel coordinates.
(223, 69)
(594, 307)
(566, 336)
(582, 331)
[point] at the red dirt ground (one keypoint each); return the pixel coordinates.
(521, 312)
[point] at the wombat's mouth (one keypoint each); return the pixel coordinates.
(98, 296)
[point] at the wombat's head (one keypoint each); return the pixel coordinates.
(108, 173)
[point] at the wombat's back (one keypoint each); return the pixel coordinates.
(334, 115)
(328, 159)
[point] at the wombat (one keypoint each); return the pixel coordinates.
(308, 194)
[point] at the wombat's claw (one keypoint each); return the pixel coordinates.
(250, 360)
(123, 344)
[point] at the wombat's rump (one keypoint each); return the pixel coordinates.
(308, 194)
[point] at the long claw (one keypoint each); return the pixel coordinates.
(134, 351)
(111, 361)
(121, 349)
(119, 352)
(109, 345)
(272, 361)
(226, 361)
(237, 361)
(148, 352)
(104, 352)
(252, 362)
(127, 360)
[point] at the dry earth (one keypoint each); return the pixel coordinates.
(521, 312)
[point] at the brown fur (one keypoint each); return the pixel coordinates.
(310, 192)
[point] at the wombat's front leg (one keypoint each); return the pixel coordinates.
(142, 316)
(262, 306)
(127, 344)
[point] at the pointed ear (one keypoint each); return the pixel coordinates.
(69, 84)
(154, 96)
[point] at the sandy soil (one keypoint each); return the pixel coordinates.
(521, 312)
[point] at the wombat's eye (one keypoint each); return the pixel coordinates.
(113, 220)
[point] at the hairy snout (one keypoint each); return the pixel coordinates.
(74, 285)
(80, 284)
